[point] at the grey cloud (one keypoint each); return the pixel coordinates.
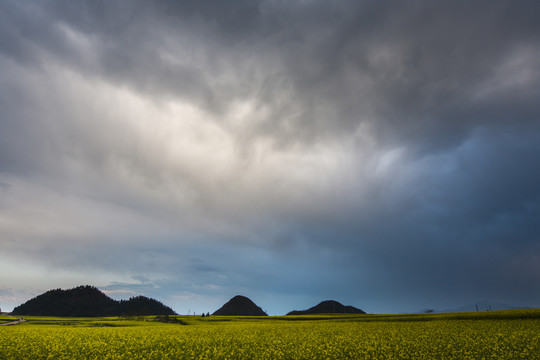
(133, 44)
(406, 70)
(466, 227)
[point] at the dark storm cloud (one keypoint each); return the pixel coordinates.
(409, 71)
(399, 146)
(163, 48)
(464, 228)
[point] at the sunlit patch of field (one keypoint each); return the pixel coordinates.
(487, 335)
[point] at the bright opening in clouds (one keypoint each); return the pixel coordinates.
(384, 154)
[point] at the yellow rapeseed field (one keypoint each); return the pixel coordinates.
(493, 336)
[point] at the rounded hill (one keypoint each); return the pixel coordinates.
(328, 307)
(89, 301)
(240, 306)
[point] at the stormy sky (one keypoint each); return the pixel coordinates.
(384, 154)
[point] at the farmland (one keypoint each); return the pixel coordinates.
(487, 335)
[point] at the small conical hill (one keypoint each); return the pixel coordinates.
(328, 307)
(240, 306)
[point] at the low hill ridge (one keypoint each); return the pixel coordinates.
(240, 306)
(89, 301)
(328, 307)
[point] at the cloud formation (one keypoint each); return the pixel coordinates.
(382, 153)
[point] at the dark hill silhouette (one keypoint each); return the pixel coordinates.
(141, 305)
(240, 306)
(80, 301)
(328, 307)
(89, 301)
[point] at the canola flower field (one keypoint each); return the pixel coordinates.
(490, 335)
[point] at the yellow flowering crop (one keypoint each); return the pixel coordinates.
(354, 337)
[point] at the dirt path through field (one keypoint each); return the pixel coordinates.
(16, 322)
